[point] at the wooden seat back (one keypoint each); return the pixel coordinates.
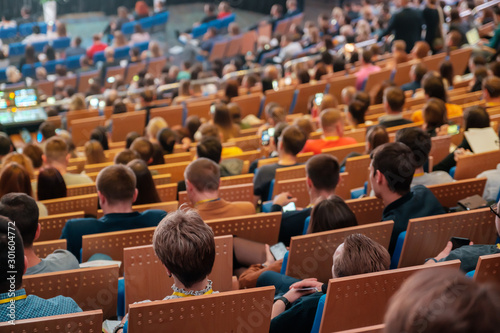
(234, 46)
(306, 92)
(167, 192)
(340, 82)
(376, 78)
(358, 168)
(249, 104)
(87, 203)
(341, 152)
(312, 255)
(125, 123)
(469, 166)
(133, 69)
(43, 249)
(440, 147)
(113, 72)
(248, 143)
(52, 225)
(218, 51)
(90, 168)
(146, 277)
(75, 190)
(161, 179)
(79, 114)
(85, 79)
(449, 194)
(179, 157)
(362, 300)
(91, 288)
(222, 312)
(155, 66)
(433, 62)
(173, 114)
(427, 236)
(283, 97)
(165, 206)
(460, 59)
(301, 158)
(248, 42)
(367, 210)
(242, 192)
(236, 180)
(176, 170)
(488, 269)
(366, 329)
(402, 73)
(87, 321)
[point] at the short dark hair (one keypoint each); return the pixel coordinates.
(131, 136)
(331, 214)
(323, 170)
(144, 148)
(22, 209)
(204, 174)
(145, 185)
(420, 70)
(376, 136)
(366, 55)
(293, 140)
(211, 148)
(167, 138)
(35, 153)
(434, 87)
(435, 114)
(393, 160)
(10, 241)
(116, 183)
(51, 184)
(126, 156)
(357, 109)
(186, 246)
(492, 85)
(418, 141)
(47, 129)
(5, 144)
(395, 97)
(476, 117)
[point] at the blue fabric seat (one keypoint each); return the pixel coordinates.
(319, 314)
(73, 62)
(61, 43)
(16, 49)
(6, 33)
(397, 250)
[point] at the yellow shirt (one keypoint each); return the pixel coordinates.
(231, 151)
(452, 110)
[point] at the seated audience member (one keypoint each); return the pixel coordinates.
(202, 185)
(391, 175)
(99, 134)
(97, 46)
(329, 214)
(221, 118)
(139, 35)
(435, 117)
(212, 130)
(480, 73)
(290, 143)
(474, 117)
(184, 92)
(36, 36)
(20, 159)
(420, 50)
(224, 10)
(141, 10)
(50, 184)
(126, 156)
(116, 189)
(94, 152)
(185, 245)
(420, 144)
(292, 8)
(130, 138)
(75, 49)
(26, 306)
(375, 136)
(154, 126)
(34, 153)
(167, 139)
(289, 47)
(294, 310)
(6, 145)
(145, 185)
(57, 155)
(356, 113)
(417, 72)
(443, 300)
(367, 67)
(23, 209)
(491, 91)
(322, 177)
(332, 126)
(394, 101)
(144, 148)
(15, 179)
(47, 130)
(446, 72)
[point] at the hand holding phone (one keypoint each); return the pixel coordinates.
(458, 242)
(278, 251)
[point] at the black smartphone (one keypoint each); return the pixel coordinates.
(278, 251)
(459, 242)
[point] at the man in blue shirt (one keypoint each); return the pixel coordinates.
(116, 188)
(14, 303)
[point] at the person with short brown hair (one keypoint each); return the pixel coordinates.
(394, 101)
(443, 300)
(144, 148)
(202, 184)
(333, 133)
(116, 190)
(491, 91)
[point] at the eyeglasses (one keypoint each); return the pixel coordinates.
(494, 209)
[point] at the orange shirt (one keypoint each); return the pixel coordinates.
(452, 110)
(317, 145)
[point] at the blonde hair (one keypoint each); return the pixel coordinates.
(22, 160)
(154, 126)
(77, 103)
(94, 152)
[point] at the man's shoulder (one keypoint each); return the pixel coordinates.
(154, 213)
(54, 306)
(76, 179)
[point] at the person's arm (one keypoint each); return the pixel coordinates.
(494, 40)
(291, 296)
(389, 29)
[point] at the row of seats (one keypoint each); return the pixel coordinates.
(22, 30)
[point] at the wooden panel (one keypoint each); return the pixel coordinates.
(91, 168)
(125, 123)
(426, 237)
(249, 104)
(339, 83)
(88, 321)
(341, 152)
(449, 194)
(133, 69)
(43, 249)
(113, 72)
(75, 190)
(312, 255)
(242, 192)
(440, 147)
(167, 192)
(306, 92)
(488, 269)
(402, 73)
(433, 62)
(469, 166)
(358, 167)
(218, 51)
(87, 203)
(155, 66)
(460, 59)
(52, 225)
(146, 277)
(292, 172)
(367, 329)
(283, 97)
(82, 129)
(179, 157)
(367, 210)
(161, 179)
(225, 312)
(165, 206)
(80, 114)
(297, 188)
(176, 170)
(236, 180)
(91, 288)
(377, 78)
(361, 300)
(171, 114)
(248, 143)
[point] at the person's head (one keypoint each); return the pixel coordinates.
(419, 141)
(420, 50)
(51, 184)
(357, 110)
(144, 147)
(359, 254)
(34, 153)
(125, 156)
(141, 8)
(193, 123)
(391, 169)
(231, 89)
(434, 86)
(399, 46)
(331, 122)
(22, 209)
(292, 140)
(154, 126)
(129, 139)
(328, 102)
(376, 136)
(291, 5)
(94, 152)
(347, 94)
(446, 71)
(209, 9)
(119, 107)
(47, 129)
(11, 242)
(186, 246)
(99, 134)
(476, 117)
(166, 138)
(366, 57)
(394, 99)
(233, 29)
(122, 12)
(145, 185)
(56, 151)
(36, 30)
(331, 214)
(116, 186)
(209, 147)
(275, 114)
(77, 103)
(235, 112)
(202, 176)
(303, 76)
(119, 39)
(20, 159)
(491, 88)
(14, 178)
(434, 113)
(323, 172)
(224, 7)
(418, 71)
(305, 124)
(443, 300)
(5, 144)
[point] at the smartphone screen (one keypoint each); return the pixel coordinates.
(265, 138)
(318, 98)
(39, 137)
(453, 129)
(25, 135)
(275, 85)
(459, 242)
(278, 251)
(290, 207)
(270, 131)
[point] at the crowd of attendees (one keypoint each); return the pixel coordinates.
(398, 173)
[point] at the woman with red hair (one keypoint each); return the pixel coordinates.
(141, 10)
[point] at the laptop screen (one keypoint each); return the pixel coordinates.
(26, 98)
(472, 36)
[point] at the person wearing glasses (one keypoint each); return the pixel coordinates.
(469, 254)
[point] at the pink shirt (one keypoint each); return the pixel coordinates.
(363, 73)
